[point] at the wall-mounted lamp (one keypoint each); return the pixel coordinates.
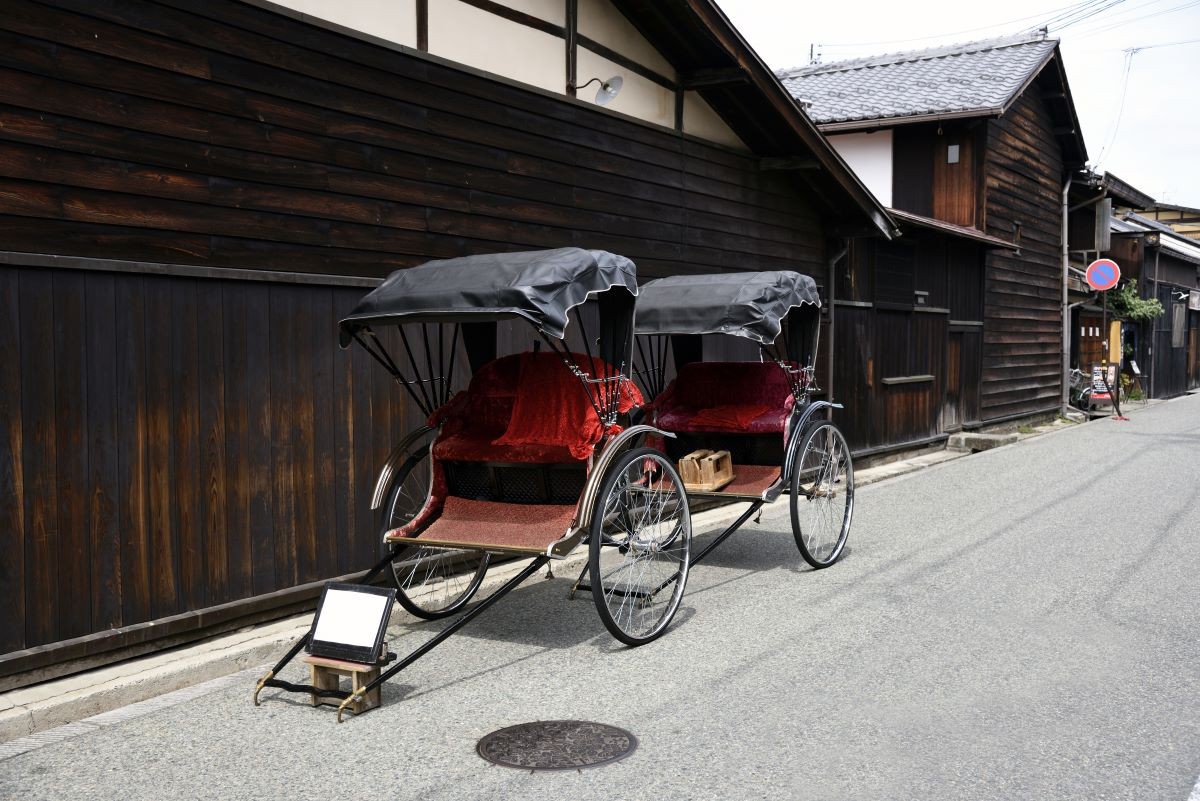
(608, 89)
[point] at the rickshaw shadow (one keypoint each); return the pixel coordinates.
(574, 622)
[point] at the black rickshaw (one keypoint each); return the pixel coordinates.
(525, 451)
(761, 409)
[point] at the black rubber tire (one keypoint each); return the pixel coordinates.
(445, 567)
(822, 472)
(612, 505)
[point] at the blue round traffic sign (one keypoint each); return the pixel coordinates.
(1103, 274)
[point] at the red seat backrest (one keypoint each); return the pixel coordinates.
(702, 385)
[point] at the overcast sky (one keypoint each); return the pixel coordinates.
(1156, 146)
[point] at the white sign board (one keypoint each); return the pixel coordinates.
(1194, 300)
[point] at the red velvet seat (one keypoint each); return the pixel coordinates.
(728, 397)
(526, 408)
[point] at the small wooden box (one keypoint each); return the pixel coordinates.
(706, 471)
(327, 675)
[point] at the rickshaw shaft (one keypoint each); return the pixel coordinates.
(724, 535)
(466, 618)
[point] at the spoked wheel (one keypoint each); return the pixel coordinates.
(430, 582)
(822, 495)
(639, 543)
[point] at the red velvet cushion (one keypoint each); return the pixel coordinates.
(523, 408)
(738, 397)
(552, 406)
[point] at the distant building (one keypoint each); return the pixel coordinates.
(983, 137)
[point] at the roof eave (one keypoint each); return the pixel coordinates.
(766, 82)
(847, 126)
(950, 229)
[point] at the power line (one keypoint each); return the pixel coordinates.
(1129, 54)
(1166, 44)
(1040, 16)
(1122, 23)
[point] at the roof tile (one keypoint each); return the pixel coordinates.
(979, 76)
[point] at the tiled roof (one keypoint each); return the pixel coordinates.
(981, 77)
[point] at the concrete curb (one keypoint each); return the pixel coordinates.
(66, 703)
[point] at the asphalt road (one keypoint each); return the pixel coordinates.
(1018, 624)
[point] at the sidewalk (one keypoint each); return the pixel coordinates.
(95, 698)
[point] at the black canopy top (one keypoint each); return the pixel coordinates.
(749, 305)
(541, 286)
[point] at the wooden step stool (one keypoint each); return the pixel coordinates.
(327, 675)
(706, 470)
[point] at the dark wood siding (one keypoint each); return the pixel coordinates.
(219, 133)
(1022, 338)
(179, 443)
(138, 455)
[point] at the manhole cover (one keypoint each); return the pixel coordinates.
(556, 745)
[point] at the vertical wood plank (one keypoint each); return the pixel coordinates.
(301, 354)
(211, 380)
(346, 476)
(104, 502)
(131, 458)
(12, 468)
(365, 428)
(238, 465)
(187, 517)
(37, 414)
(164, 557)
(283, 389)
(71, 458)
(260, 436)
(324, 338)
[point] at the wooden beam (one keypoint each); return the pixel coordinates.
(697, 79)
(423, 25)
(624, 61)
(520, 17)
(572, 37)
(788, 163)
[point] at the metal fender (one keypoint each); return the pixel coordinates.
(797, 430)
(394, 461)
(615, 446)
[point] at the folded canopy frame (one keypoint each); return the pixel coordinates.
(471, 294)
(778, 310)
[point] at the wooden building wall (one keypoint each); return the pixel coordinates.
(1022, 334)
(172, 441)
(908, 340)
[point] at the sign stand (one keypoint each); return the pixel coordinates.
(1102, 275)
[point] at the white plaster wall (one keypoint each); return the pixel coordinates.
(485, 41)
(638, 97)
(699, 119)
(601, 21)
(393, 20)
(550, 10)
(870, 156)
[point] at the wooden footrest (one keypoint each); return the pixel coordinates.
(525, 528)
(327, 674)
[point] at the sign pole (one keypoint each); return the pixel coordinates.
(1102, 275)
